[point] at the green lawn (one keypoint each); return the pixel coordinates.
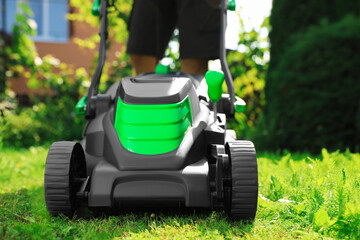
(300, 197)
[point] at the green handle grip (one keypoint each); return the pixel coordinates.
(80, 107)
(232, 5)
(214, 80)
(95, 9)
(161, 69)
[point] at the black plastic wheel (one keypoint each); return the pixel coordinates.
(243, 197)
(65, 167)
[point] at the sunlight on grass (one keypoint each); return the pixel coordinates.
(22, 169)
(300, 197)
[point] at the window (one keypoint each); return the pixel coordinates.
(9, 12)
(49, 15)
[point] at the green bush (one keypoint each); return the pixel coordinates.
(40, 124)
(51, 116)
(289, 18)
(248, 68)
(314, 99)
(2, 69)
(51, 119)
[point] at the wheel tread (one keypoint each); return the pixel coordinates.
(57, 179)
(244, 180)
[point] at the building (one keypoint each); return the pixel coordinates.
(55, 34)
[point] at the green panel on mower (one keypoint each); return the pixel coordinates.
(152, 129)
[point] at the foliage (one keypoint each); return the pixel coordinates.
(117, 20)
(20, 53)
(51, 116)
(46, 119)
(289, 17)
(300, 197)
(248, 66)
(317, 92)
(323, 194)
(2, 68)
(290, 22)
(172, 53)
(51, 119)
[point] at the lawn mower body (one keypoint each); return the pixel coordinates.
(155, 140)
(125, 175)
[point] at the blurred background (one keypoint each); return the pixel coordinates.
(296, 64)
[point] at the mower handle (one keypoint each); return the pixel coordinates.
(224, 65)
(95, 80)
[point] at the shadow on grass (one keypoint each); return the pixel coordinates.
(23, 214)
(171, 216)
(150, 218)
(153, 212)
(156, 212)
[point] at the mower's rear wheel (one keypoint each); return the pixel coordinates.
(64, 169)
(242, 204)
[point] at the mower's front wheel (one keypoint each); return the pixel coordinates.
(65, 170)
(242, 200)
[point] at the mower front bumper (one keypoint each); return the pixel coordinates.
(111, 187)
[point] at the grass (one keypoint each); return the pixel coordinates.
(300, 197)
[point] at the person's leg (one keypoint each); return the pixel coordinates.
(151, 25)
(143, 64)
(199, 26)
(141, 45)
(197, 66)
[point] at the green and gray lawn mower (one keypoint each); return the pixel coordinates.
(153, 140)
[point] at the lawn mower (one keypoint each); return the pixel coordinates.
(154, 140)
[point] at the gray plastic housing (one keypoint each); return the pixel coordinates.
(119, 176)
(154, 89)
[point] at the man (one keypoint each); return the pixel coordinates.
(152, 23)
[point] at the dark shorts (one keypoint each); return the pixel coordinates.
(152, 23)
